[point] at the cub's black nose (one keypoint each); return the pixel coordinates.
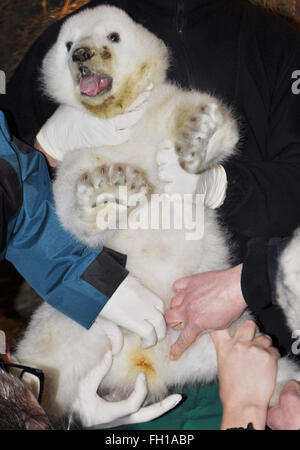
(82, 54)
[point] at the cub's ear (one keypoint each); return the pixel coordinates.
(55, 76)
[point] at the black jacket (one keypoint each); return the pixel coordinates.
(246, 56)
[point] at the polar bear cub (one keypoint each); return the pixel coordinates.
(102, 60)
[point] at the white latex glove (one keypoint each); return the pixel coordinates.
(72, 129)
(94, 411)
(112, 331)
(137, 309)
(212, 183)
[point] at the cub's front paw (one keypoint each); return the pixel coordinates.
(192, 145)
(106, 192)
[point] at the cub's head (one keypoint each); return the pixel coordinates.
(101, 61)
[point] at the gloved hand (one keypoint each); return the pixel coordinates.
(211, 183)
(137, 309)
(94, 411)
(72, 129)
(113, 333)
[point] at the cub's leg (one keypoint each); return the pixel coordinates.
(105, 193)
(206, 135)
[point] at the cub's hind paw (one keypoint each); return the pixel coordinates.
(106, 191)
(193, 141)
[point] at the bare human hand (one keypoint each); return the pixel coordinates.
(286, 415)
(247, 367)
(203, 303)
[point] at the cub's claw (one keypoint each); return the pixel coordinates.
(193, 141)
(108, 189)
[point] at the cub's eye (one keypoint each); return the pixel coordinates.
(69, 45)
(114, 37)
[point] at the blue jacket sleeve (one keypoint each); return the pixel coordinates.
(70, 277)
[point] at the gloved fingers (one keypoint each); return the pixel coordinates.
(159, 325)
(133, 112)
(152, 411)
(213, 184)
(157, 303)
(109, 413)
(166, 153)
(147, 413)
(148, 334)
(140, 100)
(160, 306)
(167, 144)
(114, 334)
(118, 137)
(135, 400)
(89, 384)
(167, 172)
(127, 120)
(155, 320)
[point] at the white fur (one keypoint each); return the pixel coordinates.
(288, 282)
(56, 344)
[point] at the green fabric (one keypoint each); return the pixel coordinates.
(202, 410)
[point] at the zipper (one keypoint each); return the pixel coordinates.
(180, 16)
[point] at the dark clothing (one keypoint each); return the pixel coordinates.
(245, 56)
(263, 258)
(60, 269)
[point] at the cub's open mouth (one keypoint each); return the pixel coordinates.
(92, 84)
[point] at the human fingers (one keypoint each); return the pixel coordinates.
(263, 341)
(175, 317)
(220, 336)
(177, 300)
(181, 283)
(187, 336)
(246, 331)
(291, 387)
(285, 415)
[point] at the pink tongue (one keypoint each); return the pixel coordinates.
(92, 85)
